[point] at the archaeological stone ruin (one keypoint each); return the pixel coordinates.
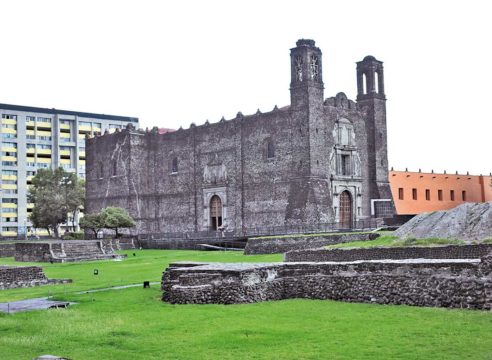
(25, 276)
(453, 276)
(65, 251)
(470, 222)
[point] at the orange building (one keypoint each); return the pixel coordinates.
(418, 192)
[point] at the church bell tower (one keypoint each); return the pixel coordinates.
(306, 86)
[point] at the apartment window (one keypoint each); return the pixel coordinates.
(65, 121)
(9, 210)
(427, 194)
(30, 137)
(9, 144)
(31, 146)
(11, 182)
(9, 172)
(8, 136)
(84, 123)
(9, 153)
(30, 173)
(44, 119)
(9, 163)
(44, 146)
(9, 116)
(10, 228)
(48, 138)
(414, 194)
(9, 191)
(400, 193)
(9, 126)
(439, 195)
(30, 118)
(10, 219)
(113, 126)
(45, 166)
(9, 201)
(463, 195)
(96, 125)
(451, 195)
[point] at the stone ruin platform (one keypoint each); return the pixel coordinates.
(457, 283)
(25, 276)
(64, 251)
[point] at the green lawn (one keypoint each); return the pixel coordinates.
(386, 240)
(134, 323)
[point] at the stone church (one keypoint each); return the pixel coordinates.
(315, 161)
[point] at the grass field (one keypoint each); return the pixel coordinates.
(134, 323)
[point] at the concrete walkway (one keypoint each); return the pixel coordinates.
(45, 303)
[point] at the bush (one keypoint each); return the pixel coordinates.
(78, 235)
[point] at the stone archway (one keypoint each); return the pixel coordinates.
(215, 212)
(346, 210)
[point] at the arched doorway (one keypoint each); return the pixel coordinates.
(215, 212)
(346, 213)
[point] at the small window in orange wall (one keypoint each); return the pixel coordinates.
(414, 194)
(451, 195)
(400, 193)
(439, 195)
(463, 195)
(427, 194)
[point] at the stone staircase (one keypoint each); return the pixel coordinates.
(70, 251)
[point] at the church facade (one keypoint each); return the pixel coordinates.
(316, 161)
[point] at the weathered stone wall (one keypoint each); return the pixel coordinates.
(21, 276)
(396, 253)
(464, 284)
(7, 250)
(32, 252)
(273, 245)
(64, 251)
(187, 244)
(300, 184)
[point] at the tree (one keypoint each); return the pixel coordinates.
(116, 218)
(92, 222)
(54, 194)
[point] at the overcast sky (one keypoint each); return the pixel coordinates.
(172, 63)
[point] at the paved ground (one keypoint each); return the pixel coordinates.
(46, 303)
(32, 304)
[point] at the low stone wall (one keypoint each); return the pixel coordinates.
(7, 250)
(64, 251)
(187, 244)
(380, 253)
(21, 276)
(443, 283)
(25, 276)
(32, 251)
(273, 245)
(110, 245)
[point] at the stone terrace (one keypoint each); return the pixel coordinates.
(465, 283)
(63, 251)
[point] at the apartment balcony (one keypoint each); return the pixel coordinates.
(9, 186)
(12, 214)
(9, 131)
(65, 127)
(9, 158)
(9, 177)
(9, 206)
(9, 149)
(85, 129)
(9, 121)
(43, 125)
(44, 151)
(9, 233)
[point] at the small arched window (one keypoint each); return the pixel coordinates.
(364, 84)
(270, 149)
(174, 165)
(101, 170)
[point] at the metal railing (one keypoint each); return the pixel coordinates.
(359, 225)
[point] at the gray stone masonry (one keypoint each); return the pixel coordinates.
(64, 251)
(396, 253)
(7, 250)
(470, 222)
(273, 245)
(314, 161)
(24, 276)
(444, 283)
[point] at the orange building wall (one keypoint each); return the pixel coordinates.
(477, 189)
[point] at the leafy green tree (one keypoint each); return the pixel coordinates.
(92, 222)
(116, 218)
(55, 194)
